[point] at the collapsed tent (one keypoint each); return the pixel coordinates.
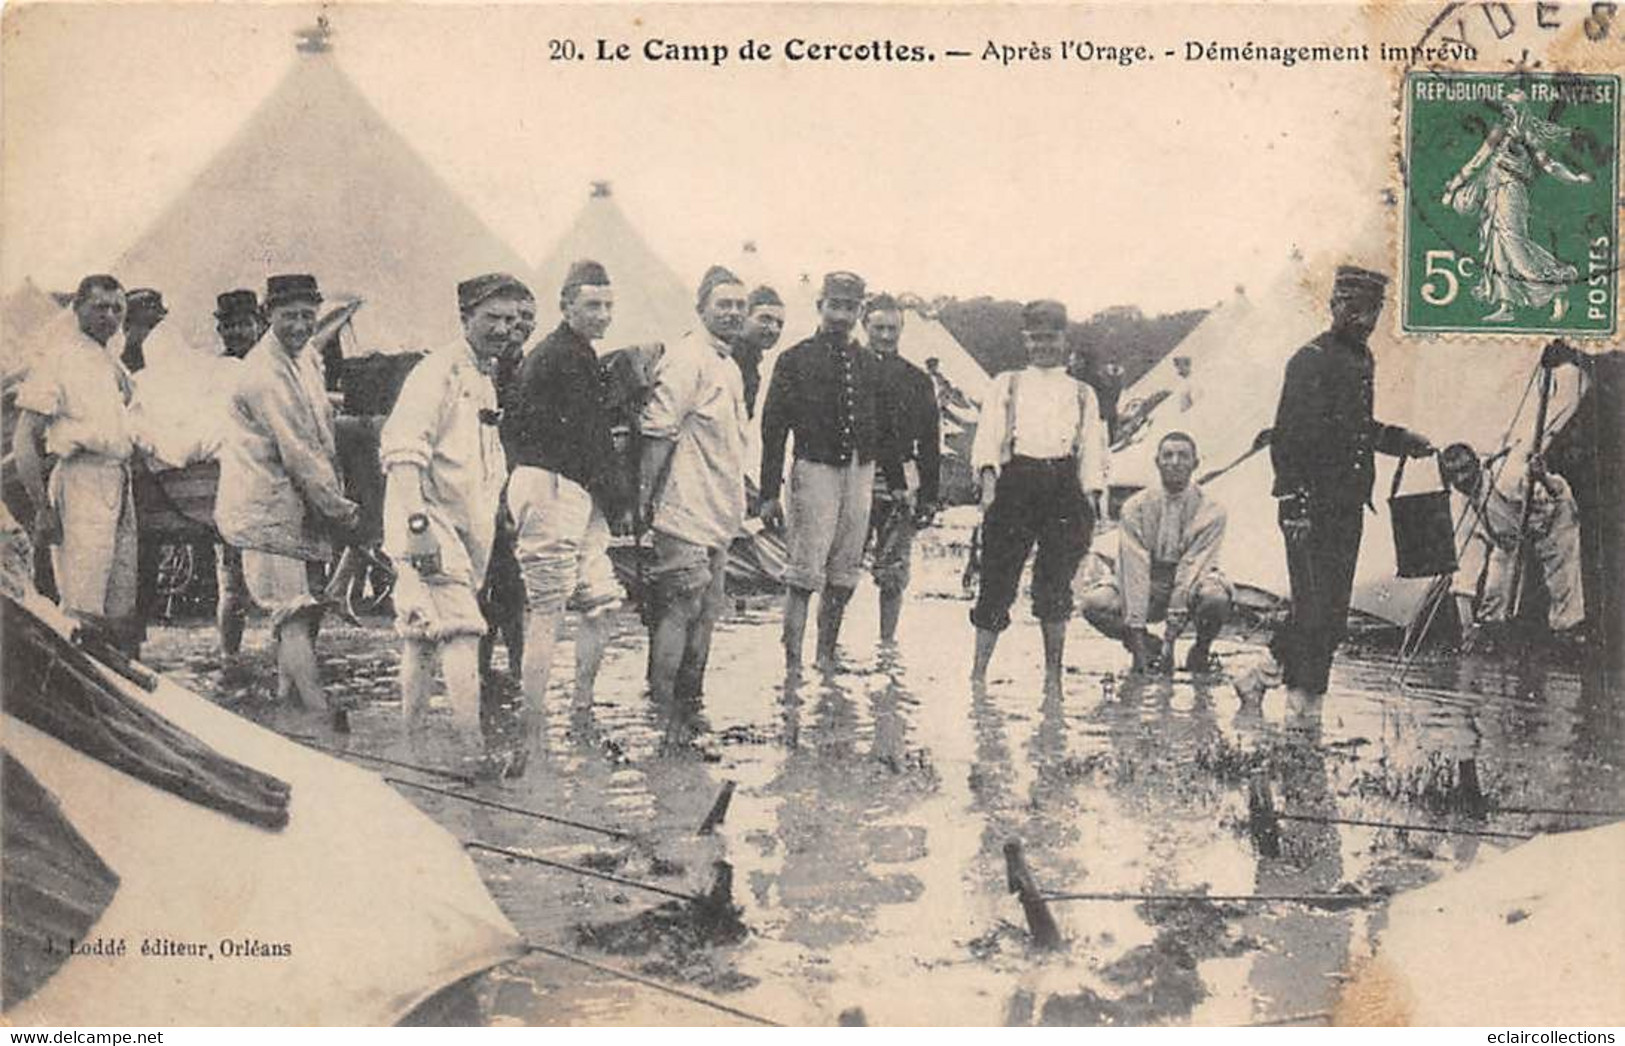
(1237, 377)
(317, 181)
(316, 896)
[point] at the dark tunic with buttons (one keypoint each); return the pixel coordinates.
(827, 390)
(1323, 446)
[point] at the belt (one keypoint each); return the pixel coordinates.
(1024, 461)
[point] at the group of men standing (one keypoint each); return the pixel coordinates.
(504, 478)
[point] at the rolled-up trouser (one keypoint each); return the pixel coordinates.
(561, 540)
(1036, 502)
(96, 563)
(894, 544)
(829, 520)
(279, 585)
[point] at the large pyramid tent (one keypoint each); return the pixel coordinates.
(651, 302)
(1480, 391)
(316, 181)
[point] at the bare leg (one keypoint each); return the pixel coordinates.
(592, 637)
(417, 678)
(459, 663)
(796, 604)
(891, 607)
(1054, 648)
(831, 611)
(668, 644)
(986, 640)
(541, 636)
(296, 664)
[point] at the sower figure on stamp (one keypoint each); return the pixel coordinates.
(826, 390)
(558, 432)
(280, 498)
(502, 597)
(912, 430)
(1168, 545)
(240, 324)
(76, 397)
(1040, 453)
(1322, 445)
(442, 456)
(691, 490)
(764, 322)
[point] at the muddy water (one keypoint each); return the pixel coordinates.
(865, 839)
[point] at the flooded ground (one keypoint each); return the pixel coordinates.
(866, 835)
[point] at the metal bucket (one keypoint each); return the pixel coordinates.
(1424, 533)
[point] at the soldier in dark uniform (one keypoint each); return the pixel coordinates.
(1323, 446)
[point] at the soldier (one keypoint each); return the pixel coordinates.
(564, 476)
(77, 397)
(280, 498)
(764, 322)
(502, 599)
(692, 488)
(911, 429)
(443, 459)
(826, 390)
(240, 324)
(1322, 447)
(1040, 453)
(1167, 566)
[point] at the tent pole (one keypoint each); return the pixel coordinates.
(1515, 597)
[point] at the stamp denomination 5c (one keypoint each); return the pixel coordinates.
(1510, 215)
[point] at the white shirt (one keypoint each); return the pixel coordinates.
(83, 391)
(699, 402)
(1047, 423)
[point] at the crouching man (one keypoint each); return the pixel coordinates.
(444, 468)
(1167, 567)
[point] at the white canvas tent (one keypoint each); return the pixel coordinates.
(316, 181)
(651, 302)
(1238, 377)
(379, 906)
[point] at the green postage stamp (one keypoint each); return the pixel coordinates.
(1511, 223)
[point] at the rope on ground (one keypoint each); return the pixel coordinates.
(588, 872)
(1322, 1016)
(1322, 900)
(627, 975)
(1558, 811)
(1399, 826)
(613, 833)
(311, 742)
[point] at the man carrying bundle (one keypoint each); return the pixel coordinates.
(1040, 452)
(280, 499)
(1168, 542)
(445, 469)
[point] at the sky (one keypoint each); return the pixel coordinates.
(1163, 185)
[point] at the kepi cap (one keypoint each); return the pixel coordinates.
(145, 299)
(763, 295)
(239, 302)
(281, 289)
(1352, 279)
(842, 286)
(471, 292)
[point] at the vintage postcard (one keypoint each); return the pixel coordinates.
(1099, 514)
